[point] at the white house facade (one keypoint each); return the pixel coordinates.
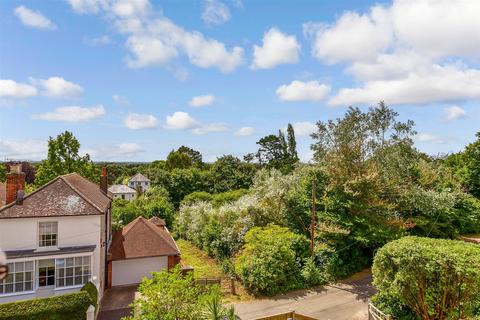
(120, 191)
(139, 182)
(55, 239)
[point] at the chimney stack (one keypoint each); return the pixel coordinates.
(104, 181)
(15, 184)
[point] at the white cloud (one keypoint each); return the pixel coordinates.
(454, 113)
(57, 87)
(73, 114)
(212, 127)
(278, 48)
(180, 121)
(120, 99)
(33, 18)
(137, 121)
(154, 40)
(303, 91)
(119, 151)
(201, 101)
(244, 132)
(23, 149)
(352, 36)
(304, 128)
(429, 138)
(98, 41)
(431, 83)
(215, 13)
(12, 89)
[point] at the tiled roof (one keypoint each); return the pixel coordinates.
(140, 239)
(121, 188)
(67, 195)
(139, 177)
(3, 193)
(157, 221)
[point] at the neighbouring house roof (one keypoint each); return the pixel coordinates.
(67, 195)
(141, 238)
(157, 221)
(3, 193)
(121, 188)
(15, 254)
(139, 177)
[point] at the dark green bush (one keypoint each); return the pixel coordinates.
(71, 306)
(92, 291)
(269, 261)
(432, 278)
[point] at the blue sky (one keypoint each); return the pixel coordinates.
(135, 79)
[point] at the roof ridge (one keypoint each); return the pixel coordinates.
(78, 191)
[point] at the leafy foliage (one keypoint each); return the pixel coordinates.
(63, 157)
(92, 291)
(432, 278)
(71, 306)
(269, 261)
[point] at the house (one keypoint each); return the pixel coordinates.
(120, 191)
(139, 248)
(140, 183)
(56, 238)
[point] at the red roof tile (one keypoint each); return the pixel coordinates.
(141, 238)
(67, 195)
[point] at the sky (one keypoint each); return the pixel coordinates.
(134, 79)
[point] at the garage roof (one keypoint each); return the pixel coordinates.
(140, 239)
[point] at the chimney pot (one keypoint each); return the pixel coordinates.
(104, 181)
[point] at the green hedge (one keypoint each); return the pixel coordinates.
(92, 291)
(71, 306)
(424, 278)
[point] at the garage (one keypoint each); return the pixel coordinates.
(138, 249)
(132, 271)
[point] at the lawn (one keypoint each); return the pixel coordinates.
(203, 265)
(207, 267)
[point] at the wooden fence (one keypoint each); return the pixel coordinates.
(292, 315)
(376, 314)
(226, 284)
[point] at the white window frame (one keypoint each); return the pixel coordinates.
(39, 239)
(13, 271)
(85, 268)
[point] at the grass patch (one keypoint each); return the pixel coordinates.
(205, 266)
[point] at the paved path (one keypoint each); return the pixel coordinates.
(344, 301)
(115, 303)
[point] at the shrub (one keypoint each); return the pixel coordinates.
(92, 291)
(311, 274)
(435, 279)
(269, 261)
(72, 306)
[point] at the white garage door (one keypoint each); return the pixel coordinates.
(133, 270)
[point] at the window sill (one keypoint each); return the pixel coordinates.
(16, 294)
(44, 249)
(70, 287)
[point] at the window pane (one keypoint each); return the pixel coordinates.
(8, 288)
(29, 266)
(60, 263)
(69, 281)
(61, 273)
(19, 266)
(85, 279)
(78, 271)
(60, 282)
(86, 270)
(19, 287)
(78, 261)
(69, 272)
(29, 286)
(19, 277)
(9, 278)
(1, 287)
(69, 262)
(28, 276)
(78, 280)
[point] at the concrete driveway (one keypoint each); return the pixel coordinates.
(115, 303)
(347, 300)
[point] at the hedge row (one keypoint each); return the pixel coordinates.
(71, 306)
(423, 278)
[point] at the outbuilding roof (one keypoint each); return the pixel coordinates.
(67, 195)
(140, 239)
(120, 188)
(139, 177)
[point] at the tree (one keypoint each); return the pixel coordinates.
(277, 151)
(432, 278)
(230, 173)
(63, 157)
(178, 160)
(268, 263)
(195, 155)
(3, 172)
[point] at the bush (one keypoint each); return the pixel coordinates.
(269, 261)
(432, 278)
(92, 291)
(72, 306)
(311, 274)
